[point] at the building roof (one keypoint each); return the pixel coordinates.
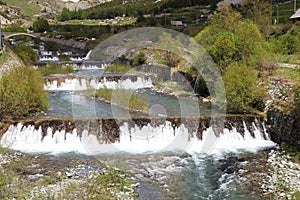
(234, 2)
(296, 15)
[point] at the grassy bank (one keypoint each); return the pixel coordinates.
(118, 68)
(53, 68)
(124, 98)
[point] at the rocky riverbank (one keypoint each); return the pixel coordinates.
(272, 174)
(28, 176)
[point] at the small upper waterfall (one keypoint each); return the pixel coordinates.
(73, 83)
(192, 135)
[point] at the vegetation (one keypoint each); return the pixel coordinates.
(26, 53)
(15, 27)
(21, 93)
(110, 183)
(54, 68)
(117, 8)
(288, 73)
(118, 68)
(242, 93)
(284, 10)
(123, 97)
(40, 25)
(234, 45)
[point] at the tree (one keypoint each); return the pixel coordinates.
(259, 11)
(40, 25)
(229, 39)
(224, 50)
(243, 91)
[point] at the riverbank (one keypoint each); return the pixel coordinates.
(37, 176)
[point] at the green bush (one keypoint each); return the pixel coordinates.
(244, 94)
(21, 93)
(53, 68)
(40, 25)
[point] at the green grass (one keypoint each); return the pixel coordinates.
(110, 184)
(27, 10)
(122, 97)
(118, 68)
(290, 74)
(285, 11)
(54, 68)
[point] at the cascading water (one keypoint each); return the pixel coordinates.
(140, 136)
(81, 83)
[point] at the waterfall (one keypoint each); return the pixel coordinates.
(78, 83)
(138, 136)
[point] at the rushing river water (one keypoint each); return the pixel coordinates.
(184, 174)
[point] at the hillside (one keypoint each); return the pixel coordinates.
(29, 9)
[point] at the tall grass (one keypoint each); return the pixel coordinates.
(118, 68)
(54, 68)
(122, 97)
(21, 93)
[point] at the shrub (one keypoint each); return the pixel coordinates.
(40, 25)
(21, 93)
(243, 91)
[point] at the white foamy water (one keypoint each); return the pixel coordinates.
(77, 84)
(133, 140)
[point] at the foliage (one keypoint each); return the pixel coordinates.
(40, 25)
(21, 93)
(51, 46)
(118, 68)
(235, 41)
(123, 97)
(15, 27)
(64, 57)
(244, 94)
(54, 68)
(259, 11)
(26, 53)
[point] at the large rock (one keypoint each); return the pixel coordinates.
(284, 126)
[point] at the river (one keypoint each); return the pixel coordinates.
(166, 150)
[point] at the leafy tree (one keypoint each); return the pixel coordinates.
(51, 46)
(259, 11)
(21, 93)
(244, 94)
(40, 25)
(224, 50)
(235, 41)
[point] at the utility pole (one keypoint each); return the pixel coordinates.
(0, 36)
(295, 5)
(277, 11)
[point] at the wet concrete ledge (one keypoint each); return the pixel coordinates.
(108, 130)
